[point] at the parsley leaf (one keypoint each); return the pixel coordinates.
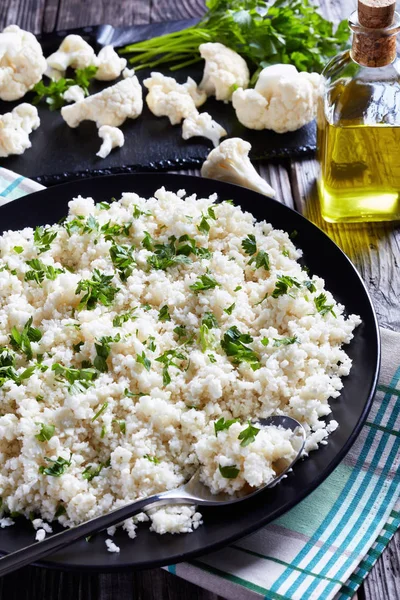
(283, 284)
(46, 432)
(229, 472)
(103, 350)
(79, 379)
(204, 226)
(100, 412)
(233, 343)
(322, 307)
(142, 360)
(152, 459)
(205, 282)
(164, 315)
(54, 91)
(206, 339)
(122, 259)
(39, 271)
(91, 471)
(230, 308)
(18, 249)
(221, 424)
(285, 341)
(310, 286)
(22, 340)
(249, 244)
(43, 237)
(57, 468)
(180, 331)
(248, 435)
(98, 289)
(261, 260)
(210, 320)
(167, 359)
(119, 320)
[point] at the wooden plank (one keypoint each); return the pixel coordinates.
(171, 10)
(28, 14)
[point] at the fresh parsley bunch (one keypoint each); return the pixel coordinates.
(53, 93)
(262, 31)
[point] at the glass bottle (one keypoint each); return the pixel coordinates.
(359, 121)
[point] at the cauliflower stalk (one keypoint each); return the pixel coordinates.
(112, 138)
(202, 125)
(22, 63)
(283, 100)
(224, 71)
(230, 162)
(168, 98)
(15, 128)
(111, 107)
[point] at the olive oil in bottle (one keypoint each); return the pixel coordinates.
(359, 121)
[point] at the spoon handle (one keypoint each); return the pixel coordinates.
(36, 551)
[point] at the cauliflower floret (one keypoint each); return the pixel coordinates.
(168, 98)
(113, 138)
(224, 70)
(203, 125)
(74, 94)
(112, 106)
(15, 128)
(282, 100)
(73, 52)
(109, 64)
(22, 63)
(230, 162)
(128, 73)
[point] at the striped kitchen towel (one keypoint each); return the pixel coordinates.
(325, 546)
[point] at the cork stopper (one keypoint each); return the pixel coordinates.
(369, 48)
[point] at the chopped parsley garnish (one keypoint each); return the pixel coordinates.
(261, 259)
(137, 212)
(212, 358)
(39, 398)
(322, 307)
(204, 226)
(285, 252)
(229, 472)
(97, 289)
(121, 425)
(248, 435)
(7, 368)
(22, 340)
(77, 347)
(285, 341)
(112, 230)
(46, 432)
(79, 379)
(100, 412)
(119, 320)
(206, 339)
(265, 341)
(187, 245)
(90, 472)
(18, 249)
(165, 256)
(205, 282)
(164, 315)
(147, 241)
(238, 288)
(221, 424)
(210, 320)
(230, 308)
(123, 260)
(294, 234)
(283, 284)
(103, 349)
(104, 205)
(249, 244)
(167, 359)
(152, 459)
(142, 360)
(61, 510)
(151, 343)
(54, 91)
(39, 271)
(180, 331)
(310, 285)
(129, 394)
(233, 343)
(43, 237)
(56, 467)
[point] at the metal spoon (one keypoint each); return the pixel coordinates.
(192, 492)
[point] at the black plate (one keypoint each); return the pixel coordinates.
(151, 143)
(221, 525)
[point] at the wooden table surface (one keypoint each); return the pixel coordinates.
(375, 250)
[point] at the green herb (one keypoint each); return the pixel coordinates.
(249, 244)
(147, 241)
(180, 331)
(285, 341)
(248, 435)
(121, 425)
(119, 320)
(283, 284)
(151, 343)
(54, 91)
(43, 237)
(221, 424)
(103, 350)
(165, 256)
(129, 394)
(206, 339)
(77, 347)
(57, 468)
(79, 379)
(39, 271)
(90, 472)
(98, 289)
(103, 432)
(61, 510)
(295, 233)
(233, 343)
(187, 245)
(112, 230)
(142, 360)
(137, 212)
(18, 249)
(265, 341)
(205, 282)
(262, 300)
(83, 77)
(310, 286)
(210, 320)
(285, 252)
(100, 412)
(22, 340)
(122, 259)
(238, 288)
(39, 398)
(322, 307)
(104, 205)
(230, 308)
(204, 226)
(152, 459)
(229, 472)
(212, 358)
(46, 432)
(260, 260)
(164, 315)
(167, 359)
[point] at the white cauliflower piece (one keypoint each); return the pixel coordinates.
(168, 98)
(22, 63)
(112, 106)
(15, 128)
(230, 162)
(74, 94)
(73, 52)
(223, 72)
(128, 73)
(203, 125)
(112, 138)
(109, 64)
(283, 99)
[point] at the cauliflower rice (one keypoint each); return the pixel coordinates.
(119, 388)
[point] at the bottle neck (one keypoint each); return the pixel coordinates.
(374, 47)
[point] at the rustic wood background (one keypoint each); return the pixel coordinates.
(375, 250)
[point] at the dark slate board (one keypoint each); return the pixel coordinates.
(60, 153)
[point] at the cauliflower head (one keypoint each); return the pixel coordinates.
(283, 99)
(73, 52)
(15, 128)
(223, 72)
(168, 98)
(22, 63)
(203, 125)
(111, 107)
(112, 138)
(230, 162)
(109, 64)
